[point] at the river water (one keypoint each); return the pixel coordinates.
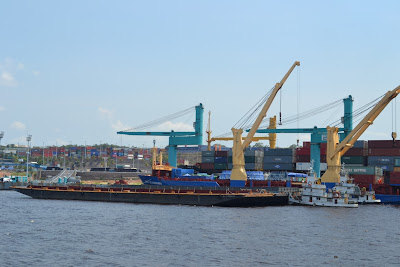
(77, 233)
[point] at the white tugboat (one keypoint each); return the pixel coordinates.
(356, 195)
(315, 194)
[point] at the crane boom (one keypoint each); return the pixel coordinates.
(336, 150)
(264, 110)
(238, 174)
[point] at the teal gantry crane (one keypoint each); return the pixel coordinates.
(178, 138)
(319, 135)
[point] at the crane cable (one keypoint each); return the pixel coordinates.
(252, 113)
(162, 120)
(298, 104)
(357, 113)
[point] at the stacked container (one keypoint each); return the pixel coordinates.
(253, 160)
(384, 154)
(221, 160)
(280, 159)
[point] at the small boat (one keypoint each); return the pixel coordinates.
(316, 194)
(357, 195)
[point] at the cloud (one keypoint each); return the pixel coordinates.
(108, 115)
(36, 72)
(7, 79)
(2, 108)
(8, 68)
(18, 125)
(119, 126)
(105, 113)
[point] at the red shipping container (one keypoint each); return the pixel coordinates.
(303, 158)
(394, 180)
(383, 143)
(355, 152)
(307, 145)
(221, 153)
(207, 166)
(363, 179)
(303, 151)
(383, 151)
(395, 174)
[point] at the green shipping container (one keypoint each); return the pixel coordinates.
(368, 170)
(354, 160)
(397, 162)
(220, 166)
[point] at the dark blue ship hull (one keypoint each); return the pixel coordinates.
(154, 180)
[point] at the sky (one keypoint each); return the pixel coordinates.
(76, 72)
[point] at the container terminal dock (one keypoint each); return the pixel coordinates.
(334, 151)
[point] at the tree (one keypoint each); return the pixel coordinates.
(258, 144)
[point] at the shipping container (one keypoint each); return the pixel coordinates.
(221, 166)
(207, 166)
(302, 158)
(279, 152)
(385, 160)
(253, 166)
(207, 159)
(363, 178)
(383, 151)
(397, 162)
(360, 144)
(278, 159)
(278, 166)
(249, 159)
(220, 160)
(383, 143)
(385, 167)
(207, 153)
(354, 160)
(307, 145)
(306, 166)
(355, 152)
(254, 153)
(221, 153)
(367, 170)
(304, 151)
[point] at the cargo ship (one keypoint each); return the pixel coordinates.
(222, 197)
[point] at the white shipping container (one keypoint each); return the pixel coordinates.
(305, 166)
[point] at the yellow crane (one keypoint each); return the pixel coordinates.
(271, 137)
(238, 174)
(336, 150)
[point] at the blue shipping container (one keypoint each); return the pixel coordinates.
(279, 152)
(383, 160)
(278, 166)
(220, 160)
(278, 159)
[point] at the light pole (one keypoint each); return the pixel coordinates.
(1, 137)
(43, 155)
(85, 149)
(28, 139)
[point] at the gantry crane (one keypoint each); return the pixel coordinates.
(336, 150)
(238, 174)
(318, 135)
(179, 138)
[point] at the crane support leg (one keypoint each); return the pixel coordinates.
(315, 156)
(238, 174)
(172, 155)
(332, 175)
(272, 136)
